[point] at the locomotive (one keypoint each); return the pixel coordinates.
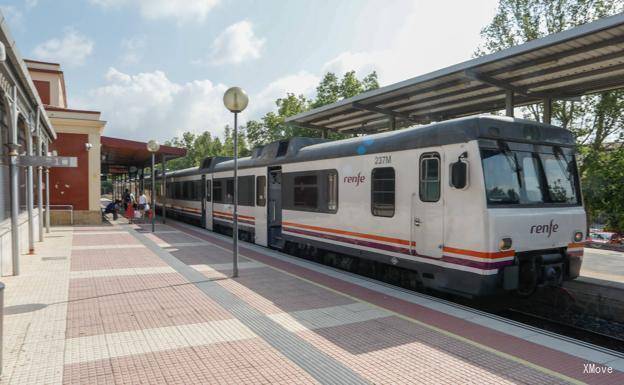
(473, 206)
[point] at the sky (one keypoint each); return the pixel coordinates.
(157, 68)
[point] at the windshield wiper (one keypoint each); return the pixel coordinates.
(512, 159)
(565, 166)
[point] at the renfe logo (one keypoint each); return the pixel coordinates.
(355, 179)
(545, 229)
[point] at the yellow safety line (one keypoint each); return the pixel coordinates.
(435, 328)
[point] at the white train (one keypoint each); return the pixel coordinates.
(473, 206)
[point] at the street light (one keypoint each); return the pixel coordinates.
(153, 147)
(235, 99)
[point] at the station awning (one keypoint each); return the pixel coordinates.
(119, 155)
(582, 60)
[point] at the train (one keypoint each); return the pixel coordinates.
(474, 206)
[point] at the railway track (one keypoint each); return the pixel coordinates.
(559, 327)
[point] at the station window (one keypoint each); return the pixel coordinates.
(332, 191)
(382, 191)
(260, 191)
(429, 177)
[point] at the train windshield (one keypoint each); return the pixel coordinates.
(522, 174)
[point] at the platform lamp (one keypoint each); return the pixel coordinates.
(153, 147)
(235, 100)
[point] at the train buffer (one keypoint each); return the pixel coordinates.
(118, 303)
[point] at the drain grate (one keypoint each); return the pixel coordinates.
(52, 258)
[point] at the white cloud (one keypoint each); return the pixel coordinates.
(31, 3)
(236, 44)
(71, 50)
(420, 44)
(180, 10)
(149, 105)
(13, 15)
(132, 50)
(301, 83)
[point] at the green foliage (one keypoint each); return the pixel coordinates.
(271, 126)
(602, 188)
(201, 146)
(597, 119)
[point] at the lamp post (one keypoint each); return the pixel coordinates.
(153, 147)
(235, 99)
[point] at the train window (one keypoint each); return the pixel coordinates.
(229, 191)
(208, 190)
(217, 191)
(332, 191)
(305, 192)
(260, 191)
(382, 191)
(429, 177)
(199, 190)
(246, 190)
(189, 190)
(178, 192)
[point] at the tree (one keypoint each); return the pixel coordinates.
(331, 89)
(596, 119)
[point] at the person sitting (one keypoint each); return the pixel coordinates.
(113, 208)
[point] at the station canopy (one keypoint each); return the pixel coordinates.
(120, 156)
(579, 61)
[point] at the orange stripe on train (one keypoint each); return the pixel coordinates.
(230, 215)
(350, 233)
(480, 254)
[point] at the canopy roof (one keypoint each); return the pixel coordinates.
(118, 155)
(579, 61)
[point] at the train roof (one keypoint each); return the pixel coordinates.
(453, 131)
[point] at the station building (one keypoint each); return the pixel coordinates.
(74, 192)
(25, 129)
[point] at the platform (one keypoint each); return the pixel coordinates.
(118, 304)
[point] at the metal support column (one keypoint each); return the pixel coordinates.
(14, 170)
(47, 192)
(39, 150)
(29, 194)
(393, 123)
(509, 103)
(324, 133)
(163, 162)
(547, 110)
(235, 199)
(153, 188)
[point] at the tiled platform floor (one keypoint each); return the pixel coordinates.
(117, 304)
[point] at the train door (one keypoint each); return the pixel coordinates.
(427, 207)
(274, 207)
(260, 211)
(203, 200)
(207, 206)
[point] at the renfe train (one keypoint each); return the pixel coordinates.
(474, 206)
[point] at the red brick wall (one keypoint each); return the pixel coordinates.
(43, 89)
(70, 186)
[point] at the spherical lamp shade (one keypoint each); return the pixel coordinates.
(153, 146)
(235, 99)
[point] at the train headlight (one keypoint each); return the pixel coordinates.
(505, 244)
(578, 236)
